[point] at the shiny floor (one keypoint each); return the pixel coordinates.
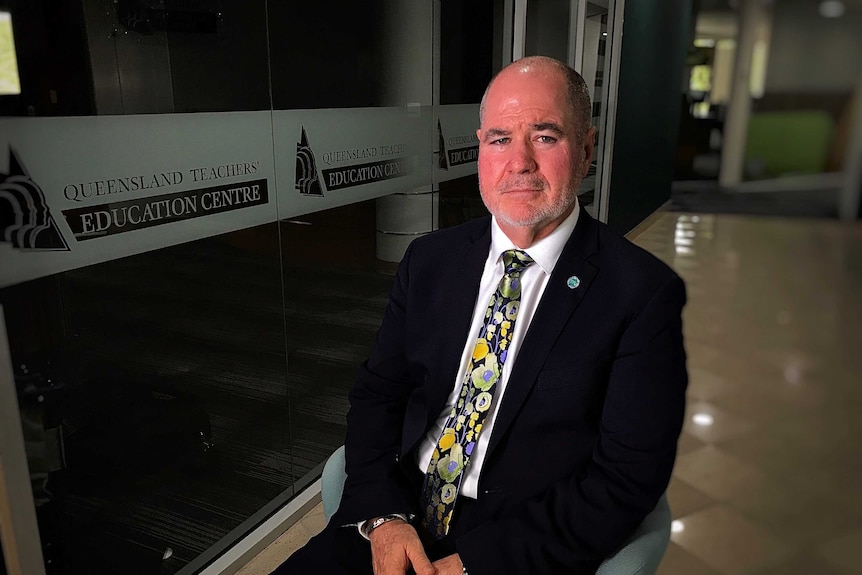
(769, 474)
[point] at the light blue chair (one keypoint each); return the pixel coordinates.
(640, 555)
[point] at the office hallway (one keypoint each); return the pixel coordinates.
(768, 479)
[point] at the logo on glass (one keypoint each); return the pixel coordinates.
(25, 220)
(307, 182)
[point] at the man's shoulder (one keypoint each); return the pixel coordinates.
(453, 238)
(632, 261)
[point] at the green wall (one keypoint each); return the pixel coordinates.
(655, 39)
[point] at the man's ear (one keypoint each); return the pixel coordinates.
(589, 148)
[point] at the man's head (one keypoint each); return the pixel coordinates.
(535, 145)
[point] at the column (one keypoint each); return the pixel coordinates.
(754, 17)
(409, 68)
(850, 200)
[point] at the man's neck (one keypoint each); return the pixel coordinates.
(526, 236)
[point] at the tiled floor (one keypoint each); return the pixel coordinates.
(769, 474)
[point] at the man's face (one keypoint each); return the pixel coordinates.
(531, 160)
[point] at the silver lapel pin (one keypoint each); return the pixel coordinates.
(573, 282)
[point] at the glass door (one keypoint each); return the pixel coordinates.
(587, 35)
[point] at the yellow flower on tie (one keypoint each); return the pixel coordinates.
(447, 439)
(481, 349)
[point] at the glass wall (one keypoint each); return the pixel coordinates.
(201, 206)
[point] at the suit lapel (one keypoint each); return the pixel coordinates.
(554, 311)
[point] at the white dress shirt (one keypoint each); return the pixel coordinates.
(545, 252)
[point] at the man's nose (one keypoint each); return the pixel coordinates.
(523, 159)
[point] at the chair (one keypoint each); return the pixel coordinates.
(640, 555)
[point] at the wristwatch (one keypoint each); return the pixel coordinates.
(372, 525)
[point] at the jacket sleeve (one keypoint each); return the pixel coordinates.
(375, 483)
(587, 516)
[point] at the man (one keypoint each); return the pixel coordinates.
(531, 434)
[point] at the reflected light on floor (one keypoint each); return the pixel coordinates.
(792, 374)
(684, 234)
(702, 419)
(676, 526)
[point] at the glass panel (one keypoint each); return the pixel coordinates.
(547, 32)
(354, 188)
(141, 278)
(594, 71)
(470, 50)
(216, 194)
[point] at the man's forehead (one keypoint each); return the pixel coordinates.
(536, 108)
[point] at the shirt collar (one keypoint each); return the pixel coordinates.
(546, 251)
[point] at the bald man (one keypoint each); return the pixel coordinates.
(521, 407)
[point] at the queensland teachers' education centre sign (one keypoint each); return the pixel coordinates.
(78, 191)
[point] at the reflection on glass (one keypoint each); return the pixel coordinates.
(10, 83)
(175, 396)
(153, 396)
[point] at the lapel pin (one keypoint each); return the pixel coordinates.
(573, 282)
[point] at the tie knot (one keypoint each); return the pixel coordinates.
(515, 261)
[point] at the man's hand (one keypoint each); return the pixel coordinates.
(450, 565)
(395, 546)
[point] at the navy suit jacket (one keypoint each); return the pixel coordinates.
(585, 437)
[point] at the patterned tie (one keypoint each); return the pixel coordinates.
(461, 432)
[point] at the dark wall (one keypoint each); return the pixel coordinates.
(655, 38)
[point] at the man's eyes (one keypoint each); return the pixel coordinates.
(540, 139)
